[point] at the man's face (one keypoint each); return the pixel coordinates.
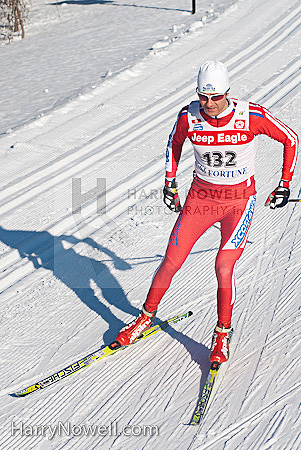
(213, 104)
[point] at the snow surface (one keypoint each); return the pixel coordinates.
(92, 92)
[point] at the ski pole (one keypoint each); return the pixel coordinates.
(295, 200)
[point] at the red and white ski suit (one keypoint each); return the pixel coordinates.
(223, 189)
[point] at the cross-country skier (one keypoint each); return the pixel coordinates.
(223, 132)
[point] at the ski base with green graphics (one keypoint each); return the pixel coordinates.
(99, 354)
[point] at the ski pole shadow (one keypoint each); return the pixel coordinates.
(76, 270)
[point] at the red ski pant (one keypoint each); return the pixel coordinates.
(196, 217)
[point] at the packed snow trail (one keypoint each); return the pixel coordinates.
(51, 315)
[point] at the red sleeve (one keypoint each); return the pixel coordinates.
(175, 143)
(262, 121)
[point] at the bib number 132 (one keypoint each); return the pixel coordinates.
(217, 159)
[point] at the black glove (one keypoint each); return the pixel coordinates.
(279, 197)
(171, 196)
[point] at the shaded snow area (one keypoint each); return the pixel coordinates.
(74, 45)
(91, 94)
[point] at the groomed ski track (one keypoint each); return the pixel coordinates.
(51, 316)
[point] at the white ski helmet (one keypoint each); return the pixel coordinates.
(213, 78)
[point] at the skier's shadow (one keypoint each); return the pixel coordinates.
(76, 270)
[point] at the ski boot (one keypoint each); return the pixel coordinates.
(219, 352)
(128, 334)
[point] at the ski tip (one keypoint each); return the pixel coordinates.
(26, 391)
(195, 422)
(19, 394)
